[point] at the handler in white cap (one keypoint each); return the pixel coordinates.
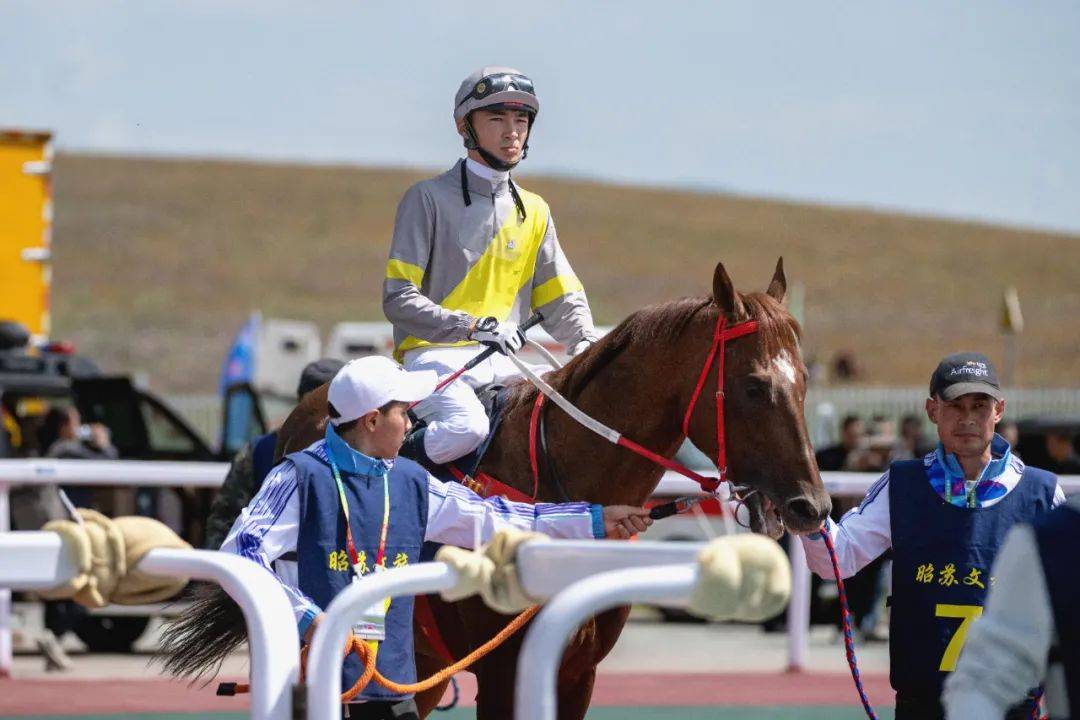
(347, 506)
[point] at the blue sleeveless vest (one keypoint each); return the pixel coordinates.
(322, 559)
(942, 555)
(1058, 536)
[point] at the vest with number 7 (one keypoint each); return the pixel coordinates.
(942, 560)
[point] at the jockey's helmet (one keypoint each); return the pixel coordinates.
(495, 87)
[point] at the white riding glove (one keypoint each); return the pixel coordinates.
(505, 337)
(580, 347)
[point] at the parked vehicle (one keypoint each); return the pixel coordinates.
(142, 427)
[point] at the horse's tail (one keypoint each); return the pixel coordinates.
(196, 642)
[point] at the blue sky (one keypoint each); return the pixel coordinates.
(961, 109)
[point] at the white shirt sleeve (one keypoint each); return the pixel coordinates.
(455, 513)
(1006, 650)
(267, 529)
(1059, 494)
(861, 536)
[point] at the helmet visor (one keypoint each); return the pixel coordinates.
(492, 84)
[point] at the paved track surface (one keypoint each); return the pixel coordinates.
(657, 672)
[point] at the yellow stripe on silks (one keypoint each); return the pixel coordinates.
(493, 282)
(554, 289)
(401, 270)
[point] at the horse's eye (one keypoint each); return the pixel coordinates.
(756, 389)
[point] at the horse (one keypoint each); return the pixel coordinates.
(645, 370)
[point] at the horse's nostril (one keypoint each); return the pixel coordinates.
(802, 508)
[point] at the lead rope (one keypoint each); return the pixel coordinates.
(358, 647)
(845, 621)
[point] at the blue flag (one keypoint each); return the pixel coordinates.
(240, 362)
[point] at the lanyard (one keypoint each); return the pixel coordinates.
(354, 558)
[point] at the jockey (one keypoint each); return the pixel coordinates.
(944, 517)
(473, 255)
(347, 506)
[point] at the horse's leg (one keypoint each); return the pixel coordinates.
(496, 676)
(426, 666)
(429, 660)
(495, 682)
(575, 692)
(577, 674)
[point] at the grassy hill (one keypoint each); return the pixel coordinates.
(158, 262)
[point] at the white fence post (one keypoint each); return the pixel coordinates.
(328, 642)
(798, 614)
(538, 663)
(6, 655)
(38, 560)
(273, 639)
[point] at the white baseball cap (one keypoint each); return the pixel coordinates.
(368, 383)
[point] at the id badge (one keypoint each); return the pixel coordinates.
(372, 622)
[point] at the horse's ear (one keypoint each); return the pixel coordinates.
(778, 287)
(724, 293)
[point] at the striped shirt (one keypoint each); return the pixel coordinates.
(268, 527)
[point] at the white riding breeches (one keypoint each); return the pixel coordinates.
(456, 420)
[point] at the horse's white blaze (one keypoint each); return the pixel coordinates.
(782, 363)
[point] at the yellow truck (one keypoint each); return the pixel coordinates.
(25, 229)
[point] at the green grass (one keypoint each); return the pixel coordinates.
(158, 262)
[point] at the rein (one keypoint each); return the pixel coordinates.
(721, 335)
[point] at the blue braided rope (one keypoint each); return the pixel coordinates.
(845, 618)
(453, 700)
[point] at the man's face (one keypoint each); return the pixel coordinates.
(70, 428)
(965, 425)
(1058, 447)
(853, 433)
(501, 132)
(387, 430)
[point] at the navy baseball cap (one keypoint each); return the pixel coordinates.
(965, 373)
(316, 374)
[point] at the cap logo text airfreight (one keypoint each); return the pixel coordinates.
(971, 367)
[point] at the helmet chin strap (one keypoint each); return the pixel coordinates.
(495, 163)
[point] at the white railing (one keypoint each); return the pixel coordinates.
(89, 472)
(165, 474)
(538, 664)
(37, 560)
(544, 568)
(324, 655)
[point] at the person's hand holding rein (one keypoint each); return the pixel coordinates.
(505, 337)
(622, 522)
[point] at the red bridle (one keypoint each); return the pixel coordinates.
(721, 335)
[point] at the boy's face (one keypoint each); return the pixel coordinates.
(387, 429)
(501, 132)
(965, 425)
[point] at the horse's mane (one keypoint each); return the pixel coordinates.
(664, 323)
